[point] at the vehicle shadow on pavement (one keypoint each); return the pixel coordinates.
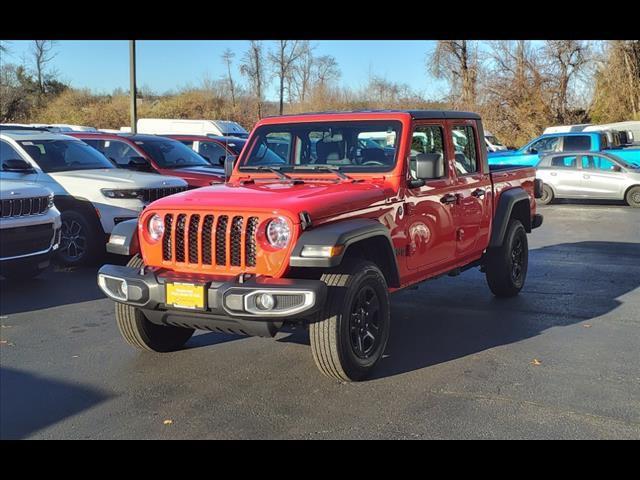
(29, 403)
(449, 319)
(56, 287)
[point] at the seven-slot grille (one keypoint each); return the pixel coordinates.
(23, 207)
(207, 239)
(151, 194)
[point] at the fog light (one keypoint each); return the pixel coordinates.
(265, 301)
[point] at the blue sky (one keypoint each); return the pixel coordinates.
(165, 65)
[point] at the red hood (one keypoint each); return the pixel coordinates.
(319, 199)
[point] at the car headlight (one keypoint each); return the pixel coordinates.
(109, 193)
(278, 232)
(155, 226)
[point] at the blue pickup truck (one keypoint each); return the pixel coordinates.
(563, 142)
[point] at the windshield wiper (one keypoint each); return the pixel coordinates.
(267, 168)
(323, 167)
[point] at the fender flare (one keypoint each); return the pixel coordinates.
(124, 238)
(345, 233)
(508, 201)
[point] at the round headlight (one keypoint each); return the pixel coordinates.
(278, 232)
(156, 227)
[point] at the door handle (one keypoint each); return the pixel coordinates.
(586, 176)
(449, 198)
(478, 193)
(553, 173)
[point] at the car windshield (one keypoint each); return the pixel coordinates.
(625, 163)
(171, 153)
(493, 140)
(352, 146)
(64, 155)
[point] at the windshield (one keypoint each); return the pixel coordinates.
(625, 163)
(493, 140)
(64, 155)
(171, 153)
(364, 146)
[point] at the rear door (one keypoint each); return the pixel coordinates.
(472, 210)
(565, 176)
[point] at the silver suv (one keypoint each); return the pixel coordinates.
(29, 227)
(593, 175)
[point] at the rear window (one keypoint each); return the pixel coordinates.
(576, 143)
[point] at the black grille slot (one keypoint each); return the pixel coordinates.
(22, 207)
(25, 240)
(221, 240)
(194, 222)
(236, 241)
(166, 237)
(152, 194)
(250, 242)
(207, 227)
(180, 222)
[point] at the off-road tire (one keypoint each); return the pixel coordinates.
(144, 335)
(93, 242)
(547, 195)
(633, 197)
(332, 336)
(501, 263)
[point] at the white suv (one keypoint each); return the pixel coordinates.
(29, 228)
(91, 193)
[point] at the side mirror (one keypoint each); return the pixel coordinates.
(429, 166)
(616, 168)
(139, 163)
(229, 162)
(222, 159)
(533, 151)
(17, 165)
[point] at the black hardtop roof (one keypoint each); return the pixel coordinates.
(417, 114)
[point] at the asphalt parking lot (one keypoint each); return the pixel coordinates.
(562, 360)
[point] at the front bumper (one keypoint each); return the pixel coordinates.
(229, 305)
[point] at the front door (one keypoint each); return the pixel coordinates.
(601, 177)
(565, 176)
(430, 226)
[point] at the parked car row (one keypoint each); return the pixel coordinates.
(96, 180)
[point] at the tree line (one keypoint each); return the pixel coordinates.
(519, 87)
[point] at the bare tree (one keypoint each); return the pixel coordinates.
(326, 70)
(252, 67)
(566, 61)
(227, 57)
(283, 61)
(302, 72)
(457, 62)
(42, 53)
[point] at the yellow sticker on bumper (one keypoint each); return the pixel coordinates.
(185, 295)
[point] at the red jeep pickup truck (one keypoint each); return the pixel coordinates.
(153, 153)
(353, 207)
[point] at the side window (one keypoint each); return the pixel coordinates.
(426, 139)
(576, 143)
(466, 155)
(547, 144)
(118, 152)
(7, 152)
(596, 162)
(213, 152)
(563, 162)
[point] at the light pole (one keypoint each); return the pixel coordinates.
(132, 83)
